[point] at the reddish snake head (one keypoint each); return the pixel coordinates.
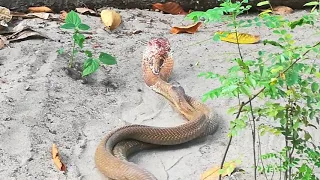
(158, 49)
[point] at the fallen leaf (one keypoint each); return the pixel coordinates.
(57, 159)
(87, 11)
(243, 38)
(41, 15)
(21, 33)
(63, 15)
(40, 9)
(282, 10)
(186, 29)
(111, 19)
(3, 41)
(169, 7)
(213, 173)
(5, 16)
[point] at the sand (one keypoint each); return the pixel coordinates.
(41, 105)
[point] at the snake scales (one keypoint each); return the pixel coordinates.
(111, 154)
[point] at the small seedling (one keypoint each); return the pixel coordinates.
(91, 64)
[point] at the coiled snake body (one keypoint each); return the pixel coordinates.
(111, 153)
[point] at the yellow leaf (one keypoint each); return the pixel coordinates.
(110, 18)
(265, 12)
(213, 173)
(273, 81)
(243, 38)
(5, 17)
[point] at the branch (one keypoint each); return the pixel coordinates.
(295, 62)
(229, 143)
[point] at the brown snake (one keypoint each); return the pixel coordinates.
(111, 154)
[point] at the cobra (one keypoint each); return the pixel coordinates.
(111, 153)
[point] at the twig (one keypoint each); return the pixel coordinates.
(254, 142)
(259, 153)
(229, 143)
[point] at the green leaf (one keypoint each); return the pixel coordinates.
(73, 18)
(79, 39)
(313, 3)
(274, 43)
(107, 59)
(314, 87)
(292, 78)
(60, 51)
(307, 136)
(263, 3)
(88, 53)
(83, 27)
(90, 66)
(245, 89)
(68, 26)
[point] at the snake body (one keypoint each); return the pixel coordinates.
(111, 154)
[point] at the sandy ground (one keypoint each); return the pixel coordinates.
(41, 105)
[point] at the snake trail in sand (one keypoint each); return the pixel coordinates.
(111, 154)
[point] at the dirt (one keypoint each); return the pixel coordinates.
(42, 105)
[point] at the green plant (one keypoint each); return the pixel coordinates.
(91, 64)
(285, 83)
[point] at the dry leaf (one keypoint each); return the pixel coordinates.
(41, 15)
(282, 10)
(3, 41)
(243, 38)
(23, 33)
(213, 173)
(63, 15)
(186, 29)
(40, 9)
(169, 7)
(57, 159)
(111, 19)
(5, 16)
(87, 11)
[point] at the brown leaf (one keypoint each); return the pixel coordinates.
(63, 15)
(57, 159)
(186, 29)
(3, 41)
(169, 7)
(87, 11)
(282, 10)
(111, 19)
(41, 15)
(40, 9)
(23, 33)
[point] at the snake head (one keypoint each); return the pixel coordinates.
(157, 51)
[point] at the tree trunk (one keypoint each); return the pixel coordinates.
(58, 5)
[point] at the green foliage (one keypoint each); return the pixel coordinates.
(91, 64)
(273, 77)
